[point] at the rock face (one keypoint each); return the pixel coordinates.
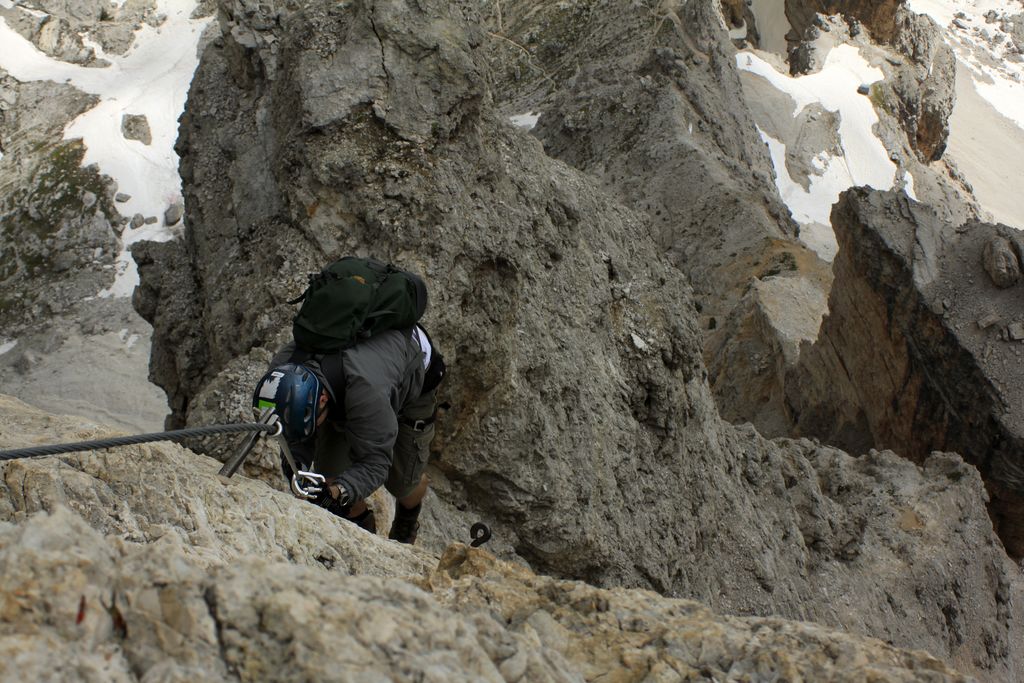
(880, 18)
(55, 216)
(59, 227)
(139, 563)
(925, 84)
(583, 429)
(917, 352)
(651, 105)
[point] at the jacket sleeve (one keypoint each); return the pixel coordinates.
(371, 426)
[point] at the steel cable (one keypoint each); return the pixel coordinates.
(175, 435)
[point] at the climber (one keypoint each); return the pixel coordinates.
(361, 416)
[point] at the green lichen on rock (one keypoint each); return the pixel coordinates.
(55, 194)
(880, 98)
(61, 183)
(57, 220)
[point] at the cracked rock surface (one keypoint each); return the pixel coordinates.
(140, 564)
(945, 373)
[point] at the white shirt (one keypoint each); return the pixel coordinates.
(420, 337)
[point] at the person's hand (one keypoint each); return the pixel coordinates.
(338, 492)
(334, 498)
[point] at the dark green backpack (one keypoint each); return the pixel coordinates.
(353, 299)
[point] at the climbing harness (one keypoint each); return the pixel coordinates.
(305, 484)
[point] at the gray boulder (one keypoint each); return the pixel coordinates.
(174, 213)
(1002, 262)
(136, 127)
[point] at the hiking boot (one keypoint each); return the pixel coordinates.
(365, 521)
(405, 526)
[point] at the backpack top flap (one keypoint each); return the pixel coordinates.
(356, 298)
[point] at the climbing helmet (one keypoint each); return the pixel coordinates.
(293, 392)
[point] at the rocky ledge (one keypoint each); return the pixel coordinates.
(141, 564)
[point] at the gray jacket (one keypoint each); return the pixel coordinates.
(373, 380)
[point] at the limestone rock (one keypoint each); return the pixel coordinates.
(880, 18)
(594, 457)
(54, 214)
(57, 27)
(901, 361)
(1014, 25)
(1002, 262)
(140, 563)
(626, 635)
(54, 35)
(95, 607)
(161, 491)
(640, 107)
(136, 127)
(762, 341)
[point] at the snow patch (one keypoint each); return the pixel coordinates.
(1006, 96)
(835, 87)
(944, 11)
(96, 47)
(151, 80)
(820, 161)
(7, 345)
(527, 120)
(7, 4)
(128, 339)
(908, 185)
(864, 160)
(811, 208)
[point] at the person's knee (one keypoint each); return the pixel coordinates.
(415, 496)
